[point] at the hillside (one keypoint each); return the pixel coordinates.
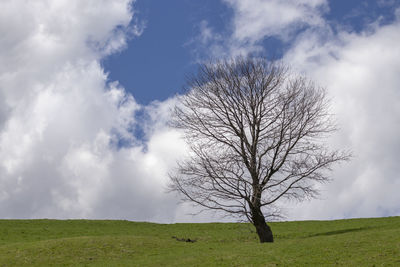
(355, 242)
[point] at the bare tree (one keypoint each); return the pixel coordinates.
(256, 134)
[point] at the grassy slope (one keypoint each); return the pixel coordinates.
(356, 242)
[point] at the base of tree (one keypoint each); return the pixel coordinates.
(263, 230)
(265, 234)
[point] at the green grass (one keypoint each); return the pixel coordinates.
(355, 242)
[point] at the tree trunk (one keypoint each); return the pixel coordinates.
(263, 230)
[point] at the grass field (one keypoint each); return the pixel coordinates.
(355, 242)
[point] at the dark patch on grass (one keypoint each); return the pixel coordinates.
(342, 231)
(188, 240)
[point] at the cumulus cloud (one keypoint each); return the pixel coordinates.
(360, 71)
(61, 120)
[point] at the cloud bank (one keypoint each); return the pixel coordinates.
(361, 73)
(61, 120)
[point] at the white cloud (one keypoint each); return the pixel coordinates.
(60, 118)
(256, 19)
(361, 72)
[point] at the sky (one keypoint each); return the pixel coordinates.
(86, 89)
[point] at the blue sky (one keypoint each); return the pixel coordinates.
(154, 65)
(86, 90)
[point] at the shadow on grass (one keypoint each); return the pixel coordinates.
(342, 231)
